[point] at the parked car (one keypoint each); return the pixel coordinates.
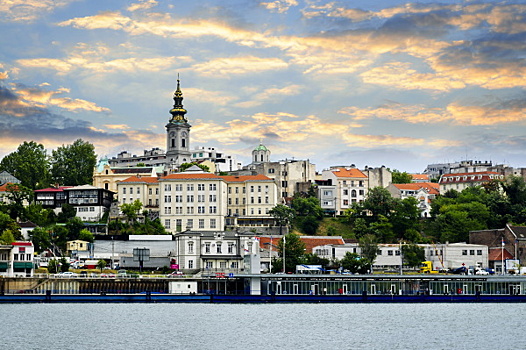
(481, 272)
(67, 274)
(175, 274)
(459, 270)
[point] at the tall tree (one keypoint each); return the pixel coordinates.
(369, 247)
(413, 254)
(354, 263)
(401, 177)
(29, 163)
(294, 249)
(282, 214)
(73, 164)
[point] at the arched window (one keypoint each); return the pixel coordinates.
(261, 157)
(353, 193)
(183, 142)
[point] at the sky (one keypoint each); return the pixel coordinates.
(371, 83)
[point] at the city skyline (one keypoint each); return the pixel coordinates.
(394, 83)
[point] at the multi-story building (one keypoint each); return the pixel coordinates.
(192, 200)
(145, 189)
(107, 176)
(351, 186)
(223, 162)
(90, 202)
(424, 192)
(461, 181)
(250, 198)
(16, 259)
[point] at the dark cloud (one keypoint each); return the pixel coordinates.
(20, 120)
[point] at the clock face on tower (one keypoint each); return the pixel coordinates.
(172, 134)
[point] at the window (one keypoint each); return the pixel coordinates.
(251, 188)
(209, 265)
(222, 264)
(167, 210)
(150, 191)
(131, 190)
(189, 210)
(479, 251)
(190, 247)
(266, 200)
(179, 224)
(327, 193)
(190, 264)
(212, 209)
(190, 198)
(230, 248)
(167, 199)
(345, 202)
(397, 253)
(234, 265)
(179, 187)
(124, 190)
(218, 248)
(190, 223)
(271, 171)
(237, 189)
(472, 252)
(213, 223)
(213, 198)
(201, 223)
(167, 223)
(200, 198)
(345, 192)
(207, 247)
(252, 200)
(212, 187)
(464, 252)
(259, 188)
(389, 252)
(379, 252)
(167, 187)
(353, 193)
(190, 187)
(178, 198)
(201, 210)
(200, 187)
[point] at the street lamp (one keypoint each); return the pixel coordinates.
(284, 241)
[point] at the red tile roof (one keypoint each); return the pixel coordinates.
(348, 172)
(431, 187)
(148, 179)
(495, 254)
(242, 178)
(420, 177)
(310, 241)
(184, 176)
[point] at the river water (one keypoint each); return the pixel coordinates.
(262, 326)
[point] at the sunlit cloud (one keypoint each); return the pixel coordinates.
(239, 65)
(142, 5)
(270, 94)
(279, 6)
(28, 10)
(116, 126)
(44, 98)
(399, 75)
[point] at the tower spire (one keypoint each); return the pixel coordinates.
(178, 112)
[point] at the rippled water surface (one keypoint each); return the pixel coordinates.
(290, 326)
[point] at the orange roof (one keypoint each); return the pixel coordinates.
(258, 177)
(420, 176)
(186, 176)
(431, 187)
(495, 254)
(148, 179)
(348, 172)
(310, 241)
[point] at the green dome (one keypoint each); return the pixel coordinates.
(261, 148)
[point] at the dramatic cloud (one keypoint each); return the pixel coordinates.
(28, 10)
(142, 5)
(279, 6)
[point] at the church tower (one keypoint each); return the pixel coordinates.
(260, 154)
(177, 134)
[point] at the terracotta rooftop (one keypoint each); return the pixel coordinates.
(420, 176)
(431, 187)
(310, 241)
(147, 179)
(242, 178)
(495, 254)
(348, 172)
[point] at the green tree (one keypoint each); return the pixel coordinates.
(354, 263)
(412, 254)
(101, 264)
(41, 238)
(294, 249)
(7, 237)
(9, 224)
(283, 215)
(64, 264)
(53, 266)
(369, 249)
(74, 226)
(313, 259)
(401, 177)
(68, 212)
(41, 217)
(131, 210)
(19, 196)
(405, 217)
(85, 235)
(29, 163)
(72, 165)
(185, 166)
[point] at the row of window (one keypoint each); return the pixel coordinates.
(189, 187)
(252, 200)
(189, 224)
(353, 183)
(178, 198)
(471, 252)
(21, 257)
(84, 209)
(354, 193)
(191, 210)
(244, 211)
